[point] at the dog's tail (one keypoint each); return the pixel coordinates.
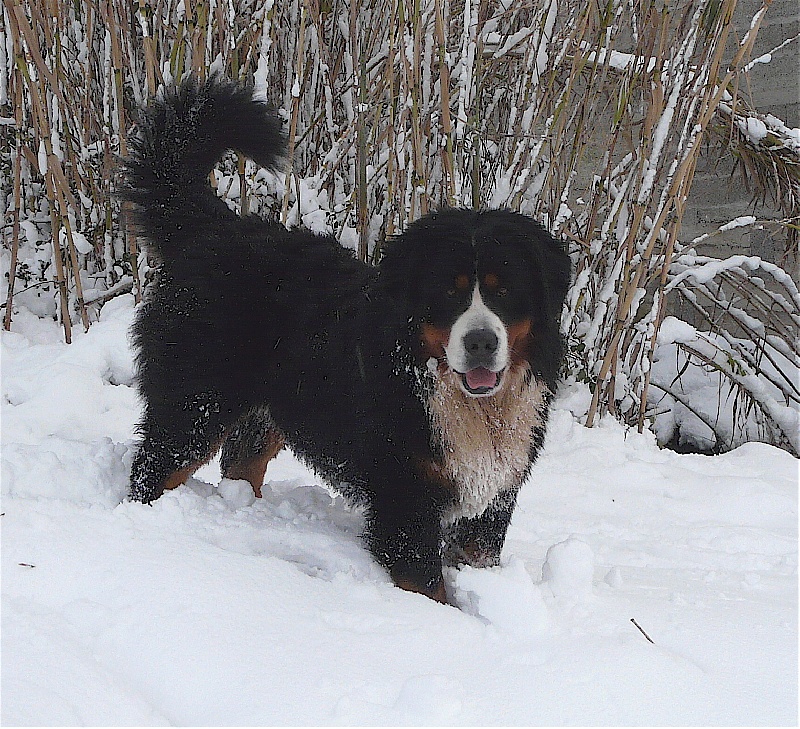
(179, 138)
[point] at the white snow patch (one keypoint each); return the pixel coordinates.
(206, 609)
(675, 330)
(236, 493)
(740, 222)
(568, 569)
(504, 597)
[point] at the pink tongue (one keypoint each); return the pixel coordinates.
(481, 377)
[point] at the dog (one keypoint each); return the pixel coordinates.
(418, 388)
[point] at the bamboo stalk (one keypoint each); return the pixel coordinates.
(152, 71)
(359, 52)
(444, 99)
(295, 112)
(12, 273)
(117, 75)
(392, 84)
(37, 95)
(61, 279)
(73, 258)
(687, 169)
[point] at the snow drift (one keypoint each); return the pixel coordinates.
(211, 607)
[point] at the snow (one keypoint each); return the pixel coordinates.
(688, 396)
(791, 135)
(753, 128)
(568, 569)
(706, 268)
(740, 222)
(617, 60)
(675, 330)
(212, 607)
(236, 493)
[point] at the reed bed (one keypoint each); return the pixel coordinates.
(589, 116)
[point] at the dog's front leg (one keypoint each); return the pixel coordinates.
(404, 533)
(478, 541)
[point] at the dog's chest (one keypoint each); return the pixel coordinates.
(485, 443)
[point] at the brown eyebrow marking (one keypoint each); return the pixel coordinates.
(491, 281)
(462, 282)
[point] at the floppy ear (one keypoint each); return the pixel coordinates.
(555, 270)
(550, 266)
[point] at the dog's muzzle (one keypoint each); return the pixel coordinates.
(481, 376)
(478, 349)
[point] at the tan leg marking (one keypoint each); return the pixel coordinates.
(439, 594)
(253, 469)
(180, 477)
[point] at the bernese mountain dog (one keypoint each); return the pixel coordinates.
(418, 388)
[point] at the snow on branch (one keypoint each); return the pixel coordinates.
(588, 117)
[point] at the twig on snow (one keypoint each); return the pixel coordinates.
(642, 631)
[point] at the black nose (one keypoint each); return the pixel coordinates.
(481, 342)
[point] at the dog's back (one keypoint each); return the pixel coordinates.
(240, 306)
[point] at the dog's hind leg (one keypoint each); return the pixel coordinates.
(174, 443)
(250, 445)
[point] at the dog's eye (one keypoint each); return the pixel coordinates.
(502, 291)
(461, 283)
(451, 292)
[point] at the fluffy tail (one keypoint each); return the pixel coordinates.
(180, 136)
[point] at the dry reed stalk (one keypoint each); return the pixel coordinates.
(244, 198)
(61, 279)
(588, 117)
(117, 74)
(21, 28)
(391, 83)
(17, 191)
(679, 190)
(444, 103)
(152, 71)
(359, 52)
(295, 89)
(12, 272)
(701, 107)
(419, 200)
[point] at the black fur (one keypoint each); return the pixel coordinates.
(250, 328)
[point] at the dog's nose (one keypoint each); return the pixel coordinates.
(481, 343)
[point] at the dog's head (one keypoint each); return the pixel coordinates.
(484, 290)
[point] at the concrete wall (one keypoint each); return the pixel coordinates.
(718, 196)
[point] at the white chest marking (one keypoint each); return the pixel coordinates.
(485, 442)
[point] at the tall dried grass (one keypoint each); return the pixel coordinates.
(589, 116)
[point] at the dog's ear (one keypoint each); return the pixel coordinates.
(553, 268)
(409, 256)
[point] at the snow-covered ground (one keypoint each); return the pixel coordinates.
(212, 608)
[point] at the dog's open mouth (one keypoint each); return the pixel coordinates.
(480, 381)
